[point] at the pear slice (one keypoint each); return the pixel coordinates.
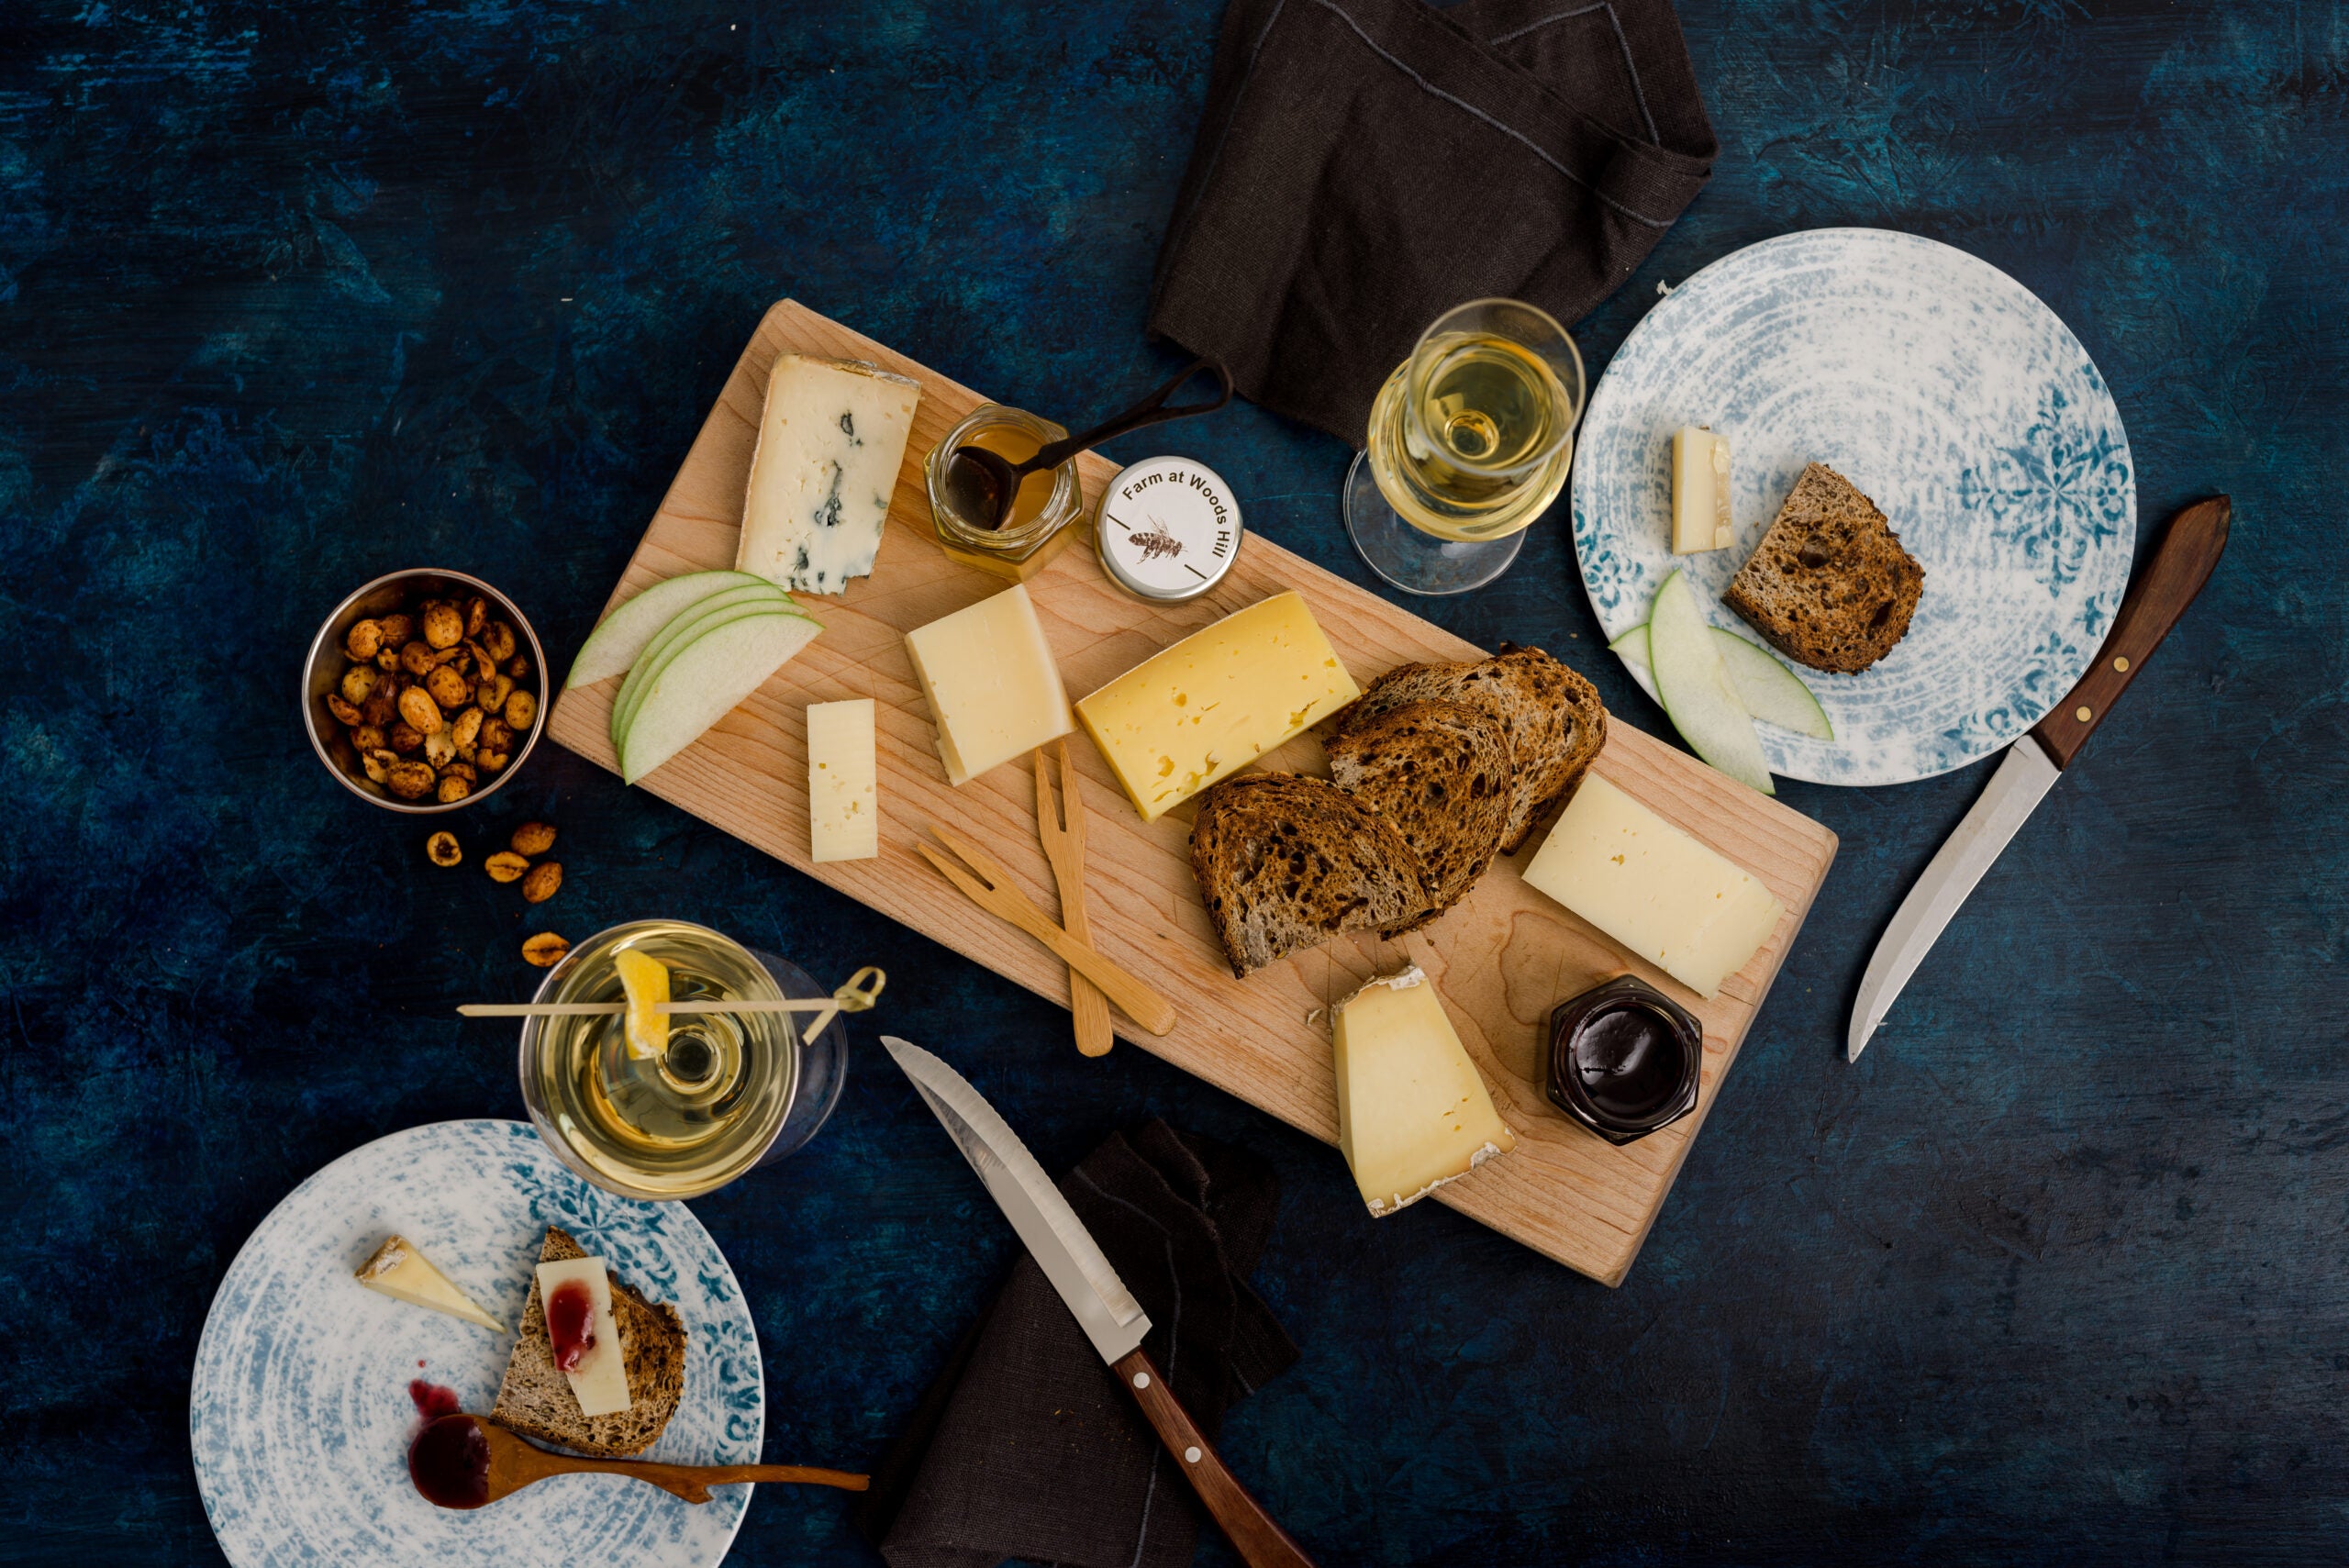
(725, 604)
(704, 680)
(1771, 693)
(1693, 685)
(620, 637)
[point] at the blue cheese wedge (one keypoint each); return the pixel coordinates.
(831, 442)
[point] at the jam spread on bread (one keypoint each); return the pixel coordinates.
(571, 1325)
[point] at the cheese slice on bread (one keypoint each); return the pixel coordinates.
(536, 1400)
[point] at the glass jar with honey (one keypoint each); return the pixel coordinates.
(1042, 514)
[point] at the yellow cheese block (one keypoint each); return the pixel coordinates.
(1701, 518)
(1412, 1112)
(1216, 701)
(1693, 914)
(993, 691)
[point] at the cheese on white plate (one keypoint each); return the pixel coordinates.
(843, 788)
(600, 1380)
(1412, 1111)
(832, 439)
(1701, 518)
(994, 692)
(403, 1273)
(1692, 913)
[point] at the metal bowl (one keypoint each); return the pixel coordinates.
(322, 673)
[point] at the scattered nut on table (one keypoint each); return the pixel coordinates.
(545, 950)
(442, 849)
(544, 878)
(505, 866)
(532, 838)
(429, 699)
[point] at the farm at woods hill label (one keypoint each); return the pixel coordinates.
(1169, 529)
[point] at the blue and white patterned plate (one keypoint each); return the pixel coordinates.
(300, 1415)
(1948, 394)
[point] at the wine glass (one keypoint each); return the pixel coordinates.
(1470, 440)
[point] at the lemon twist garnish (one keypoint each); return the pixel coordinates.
(646, 981)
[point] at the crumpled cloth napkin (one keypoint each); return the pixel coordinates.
(1365, 165)
(1026, 1446)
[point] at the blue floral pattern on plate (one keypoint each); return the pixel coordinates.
(300, 1415)
(1948, 393)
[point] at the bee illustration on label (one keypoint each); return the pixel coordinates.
(1157, 542)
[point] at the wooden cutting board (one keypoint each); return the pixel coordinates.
(1501, 958)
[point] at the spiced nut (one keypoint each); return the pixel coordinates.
(453, 788)
(491, 761)
(497, 642)
(417, 707)
(387, 658)
(378, 765)
(521, 711)
(544, 950)
(381, 707)
(442, 849)
(439, 750)
(409, 780)
(367, 736)
(465, 728)
(364, 640)
(519, 667)
(448, 689)
(416, 659)
(544, 879)
(497, 699)
(443, 626)
(533, 839)
(344, 714)
(476, 615)
(497, 734)
(358, 681)
(505, 866)
(459, 769)
(404, 739)
(399, 629)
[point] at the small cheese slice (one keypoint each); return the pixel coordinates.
(994, 692)
(1217, 701)
(600, 1380)
(399, 1271)
(843, 788)
(1701, 518)
(1412, 1111)
(831, 439)
(1692, 913)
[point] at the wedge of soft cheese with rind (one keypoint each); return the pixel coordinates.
(1700, 518)
(1216, 701)
(844, 784)
(600, 1380)
(1691, 912)
(1412, 1111)
(831, 439)
(994, 692)
(403, 1273)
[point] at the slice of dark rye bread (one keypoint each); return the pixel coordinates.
(1829, 585)
(1554, 721)
(1286, 862)
(1440, 773)
(536, 1399)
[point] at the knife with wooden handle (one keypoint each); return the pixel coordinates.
(2178, 567)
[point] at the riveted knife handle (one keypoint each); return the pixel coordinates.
(1260, 1542)
(2181, 564)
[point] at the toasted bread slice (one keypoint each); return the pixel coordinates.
(1554, 721)
(536, 1399)
(1440, 773)
(1285, 862)
(1829, 585)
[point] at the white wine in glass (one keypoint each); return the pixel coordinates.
(1470, 441)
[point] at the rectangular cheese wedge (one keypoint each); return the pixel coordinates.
(994, 692)
(1701, 518)
(600, 1380)
(1692, 913)
(832, 439)
(843, 789)
(399, 1271)
(1216, 701)
(1412, 1110)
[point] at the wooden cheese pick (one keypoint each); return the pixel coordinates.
(1064, 847)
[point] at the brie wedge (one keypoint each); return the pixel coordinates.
(399, 1271)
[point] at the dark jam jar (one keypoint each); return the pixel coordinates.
(1624, 1060)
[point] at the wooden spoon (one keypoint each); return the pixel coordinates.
(467, 1461)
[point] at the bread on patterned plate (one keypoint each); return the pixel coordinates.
(1829, 585)
(536, 1399)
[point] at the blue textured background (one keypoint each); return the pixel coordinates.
(291, 297)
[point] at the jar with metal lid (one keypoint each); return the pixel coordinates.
(1042, 514)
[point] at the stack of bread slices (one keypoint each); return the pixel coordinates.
(1434, 769)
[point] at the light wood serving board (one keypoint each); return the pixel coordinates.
(1501, 958)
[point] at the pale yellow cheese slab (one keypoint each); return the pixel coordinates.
(994, 692)
(1412, 1112)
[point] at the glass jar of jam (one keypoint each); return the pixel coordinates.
(1042, 513)
(1624, 1058)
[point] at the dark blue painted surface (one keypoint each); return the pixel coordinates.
(287, 298)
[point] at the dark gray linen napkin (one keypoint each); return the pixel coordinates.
(1026, 1446)
(1365, 165)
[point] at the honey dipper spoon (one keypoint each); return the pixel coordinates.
(981, 485)
(464, 1462)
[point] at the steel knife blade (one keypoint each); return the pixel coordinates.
(2174, 573)
(1107, 1312)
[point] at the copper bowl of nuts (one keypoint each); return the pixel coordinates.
(425, 690)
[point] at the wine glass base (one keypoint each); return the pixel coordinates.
(1415, 561)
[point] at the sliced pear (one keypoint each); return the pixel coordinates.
(703, 681)
(689, 623)
(1692, 683)
(1771, 693)
(645, 979)
(620, 637)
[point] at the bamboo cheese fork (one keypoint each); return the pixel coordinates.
(986, 885)
(1064, 847)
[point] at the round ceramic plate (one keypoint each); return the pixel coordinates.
(301, 1414)
(1953, 399)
